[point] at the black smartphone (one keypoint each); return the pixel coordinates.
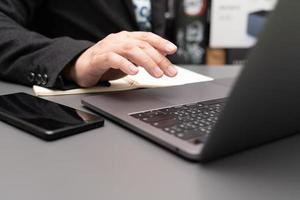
(45, 119)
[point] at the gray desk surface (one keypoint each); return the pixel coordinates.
(113, 163)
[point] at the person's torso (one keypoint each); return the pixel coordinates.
(93, 19)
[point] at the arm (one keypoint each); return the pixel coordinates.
(27, 57)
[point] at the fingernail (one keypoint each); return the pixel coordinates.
(170, 47)
(172, 71)
(157, 72)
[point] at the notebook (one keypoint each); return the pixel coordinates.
(141, 80)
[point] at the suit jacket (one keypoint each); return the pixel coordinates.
(38, 38)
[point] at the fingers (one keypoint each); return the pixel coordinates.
(139, 57)
(156, 41)
(161, 61)
(105, 61)
(143, 54)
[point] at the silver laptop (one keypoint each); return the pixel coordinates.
(205, 121)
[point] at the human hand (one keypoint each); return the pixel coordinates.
(119, 54)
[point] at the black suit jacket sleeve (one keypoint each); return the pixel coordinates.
(28, 57)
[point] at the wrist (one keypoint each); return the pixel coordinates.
(68, 72)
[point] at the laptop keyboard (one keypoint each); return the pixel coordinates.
(190, 122)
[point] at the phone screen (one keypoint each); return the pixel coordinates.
(44, 118)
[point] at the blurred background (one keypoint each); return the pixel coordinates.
(216, 32)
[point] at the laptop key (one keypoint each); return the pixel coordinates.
(164, 123)
(191, 134)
